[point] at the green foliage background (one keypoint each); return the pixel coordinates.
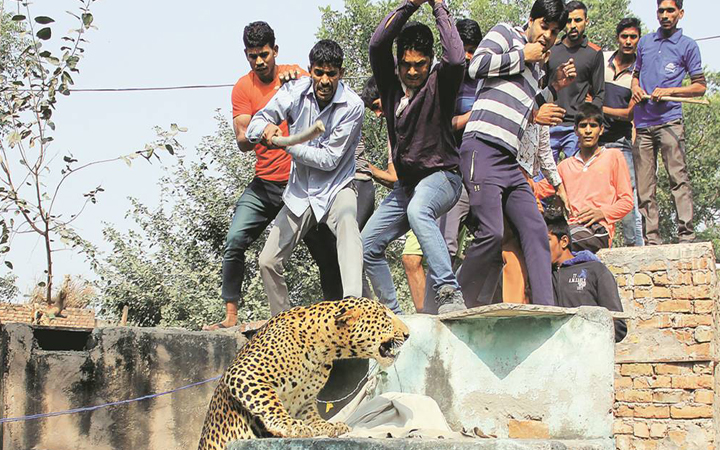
(168, 270)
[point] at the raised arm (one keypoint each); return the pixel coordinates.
(452, 63)
(494, 56)
(326, 155)
(380, 51)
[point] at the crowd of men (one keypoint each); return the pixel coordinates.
(538, 148)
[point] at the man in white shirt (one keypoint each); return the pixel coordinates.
(320, 187)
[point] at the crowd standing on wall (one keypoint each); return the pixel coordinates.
(530, 137)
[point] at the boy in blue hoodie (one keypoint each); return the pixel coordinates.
(580, 279)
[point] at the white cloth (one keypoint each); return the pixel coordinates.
(397, 415)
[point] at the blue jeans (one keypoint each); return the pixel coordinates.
(632, 222)
(415, 208)
(563, 138)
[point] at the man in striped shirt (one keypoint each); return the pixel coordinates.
(509, 64)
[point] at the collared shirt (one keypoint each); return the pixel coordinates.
(602, 182)
(590, 78)
(325, 165)
(535, 154)
(618, 92)
(507, 90)
(664, 62)
(420, 132)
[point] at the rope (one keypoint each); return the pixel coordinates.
(151, 396)
(105, 405)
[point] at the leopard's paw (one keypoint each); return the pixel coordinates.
(299, 429)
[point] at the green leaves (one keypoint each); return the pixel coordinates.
(44, 33)
(44, 20)
(18, 18)
(87, 19)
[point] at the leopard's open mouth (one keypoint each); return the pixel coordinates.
(389, 349)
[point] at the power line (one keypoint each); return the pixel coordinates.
(163, 88)
(707, 38)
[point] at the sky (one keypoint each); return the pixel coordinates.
(170, 43)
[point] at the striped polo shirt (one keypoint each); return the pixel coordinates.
(618, 93)
(507, 88)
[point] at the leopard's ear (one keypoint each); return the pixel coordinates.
(347, 317)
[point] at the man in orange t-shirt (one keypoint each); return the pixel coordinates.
(262, 199)
(597, 182)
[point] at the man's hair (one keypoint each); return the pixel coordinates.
(257, 34)
(589, 111)
(628, 22)
(370, 92)
(678, 3)
(553, 11)
(557, 225)
(327, 52)
(575, 5)
(469, 31)
(415, 36)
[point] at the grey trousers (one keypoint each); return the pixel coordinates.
(290, 229)
(669, 140)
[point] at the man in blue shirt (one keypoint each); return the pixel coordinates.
(320, 187)
(664, 59)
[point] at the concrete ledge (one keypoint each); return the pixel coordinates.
(519, 310)
(417, 444)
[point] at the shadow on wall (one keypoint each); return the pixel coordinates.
(503, 348)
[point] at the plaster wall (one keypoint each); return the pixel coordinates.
(549, 369)
(116, 364)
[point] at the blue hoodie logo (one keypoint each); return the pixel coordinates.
(580, 279)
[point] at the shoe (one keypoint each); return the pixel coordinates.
(449, 300)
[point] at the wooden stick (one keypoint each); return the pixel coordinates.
(309, 134)
(695, 100)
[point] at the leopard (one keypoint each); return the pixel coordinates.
(270, 389)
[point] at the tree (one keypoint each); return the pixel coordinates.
(177, 283)
(32, 77)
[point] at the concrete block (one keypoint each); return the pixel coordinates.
(113, 364)
(504, 362)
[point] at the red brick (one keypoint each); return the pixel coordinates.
(693, 382)
(658, 430)
(703, 306)
(656, 321)
(652, 411)
(673, 368)
(528, 429)
(622, 427)
(674, 306)
(691, 320)
(624, 411)
(636, 369)
(669, 396)
(704, 396)
(641, 430)
(642, 279)
(691, 412)
(634, 396)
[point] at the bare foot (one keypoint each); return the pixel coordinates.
(219, 326)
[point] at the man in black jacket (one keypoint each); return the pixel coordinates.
(580, 279)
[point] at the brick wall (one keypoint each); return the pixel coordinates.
(73, 317)
(665, 374)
